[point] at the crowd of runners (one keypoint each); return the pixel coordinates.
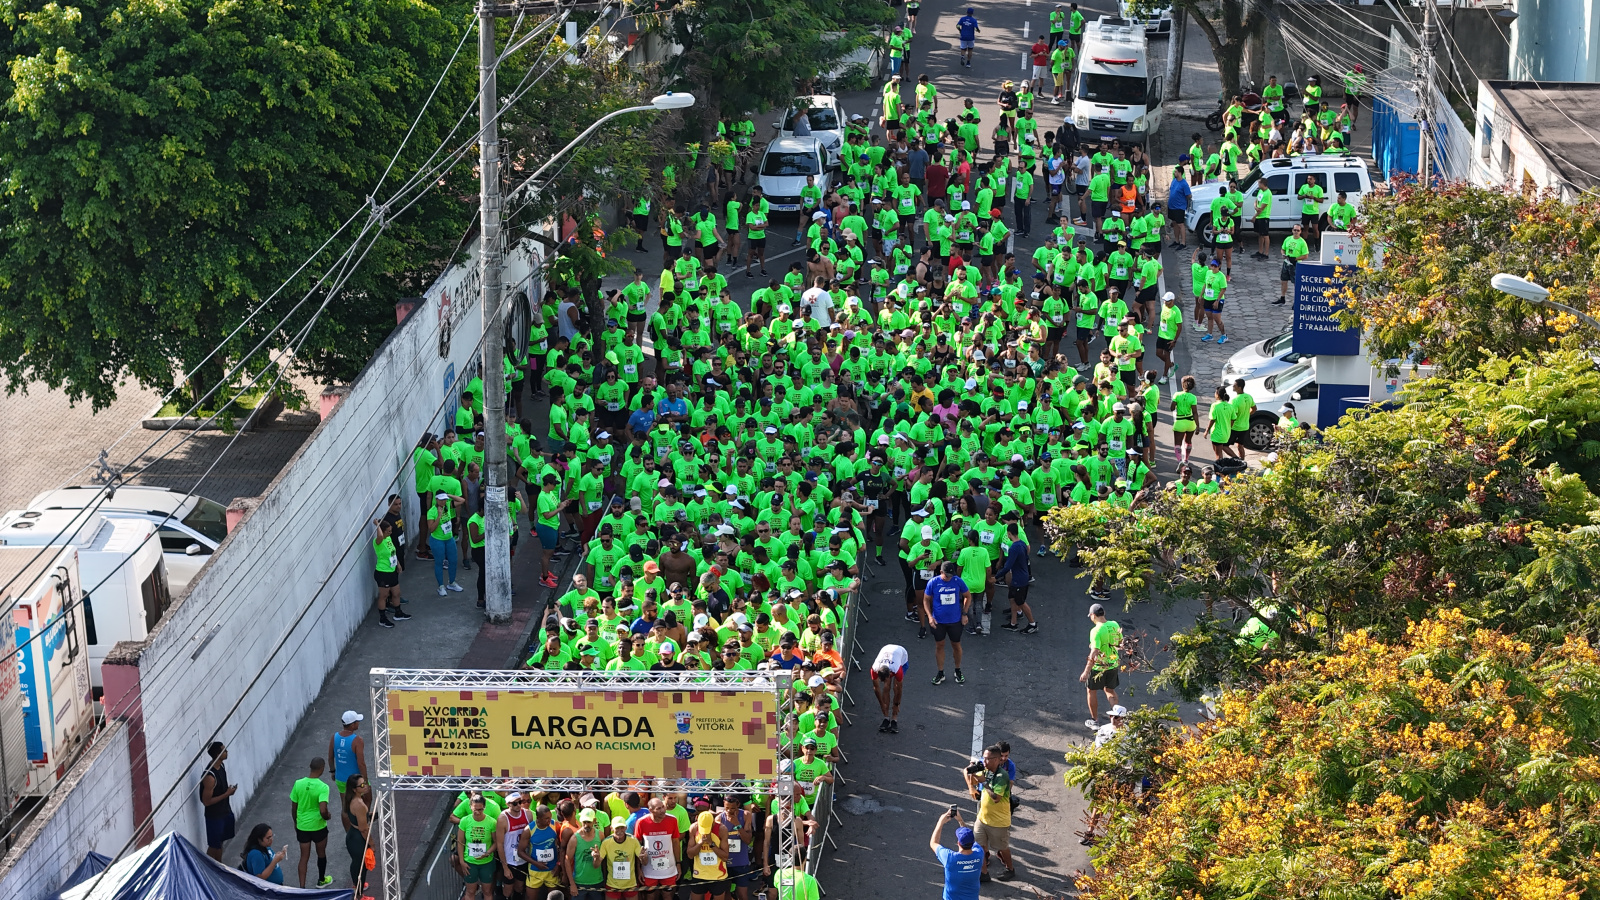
(725, 473)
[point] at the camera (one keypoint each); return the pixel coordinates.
(974, 768)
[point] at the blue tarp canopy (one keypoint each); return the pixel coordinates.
(92, 865)
(171, 868)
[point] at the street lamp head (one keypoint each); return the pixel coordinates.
(672, 100)
(1519, 287)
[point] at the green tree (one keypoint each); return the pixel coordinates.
(755, 55)
(1431, 298)
(1451, 761)
(1229, 25)
(1476, 494)
(168, 165)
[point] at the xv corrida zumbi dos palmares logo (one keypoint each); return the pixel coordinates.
(588, 734)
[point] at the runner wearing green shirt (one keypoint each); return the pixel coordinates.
(1100, 670)
(1311, 195)
(1183, 420)
(308, 800)
(1263, 220)
(475, 849)
(1168, 331)
(1341, 213)
(1099, 197)
(1294, 250)
(1243, 407)
(1220, 424)
(549, 507)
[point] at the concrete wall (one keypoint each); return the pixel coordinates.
(86, 813)
(1474, 43)
(1556, 40)
(304, 549)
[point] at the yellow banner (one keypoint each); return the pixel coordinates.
(577, 734)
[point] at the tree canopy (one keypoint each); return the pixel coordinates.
(168, 165)
(1431, 298)
(1476, 494)
(1453, 761)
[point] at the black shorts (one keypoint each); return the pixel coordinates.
(1079, 189)
(1097, 208)
(1147, 294)
(1054, 332)
(1177, 216)
(1085, 334)
(219, 830)
(1239, 436)
(636, 317)
(640, 223)
(1163, 343)
(1263, 226)
(1286, 271)
(1018, 594)
(951, 632)
(709, 250)
(714, 888)
(311, 837)
(1308, 220)
(386, 579)
(759, 242)
(1215, 306)
(1102, 679)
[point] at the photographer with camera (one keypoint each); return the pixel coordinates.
(964, 867)
(989, 782)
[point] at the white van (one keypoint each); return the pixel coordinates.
(1116, 93)
(784, 167)
(49, 681)
(191, 526)
(122, 602)
(1335, 172)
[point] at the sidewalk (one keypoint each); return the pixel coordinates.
(445, 632)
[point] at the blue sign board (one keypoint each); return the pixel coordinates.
(1316, 326)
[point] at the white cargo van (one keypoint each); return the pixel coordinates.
(1116, 93)
(124, 602)
(191, 526)
(51, 665)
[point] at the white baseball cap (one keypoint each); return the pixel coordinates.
(351, 717)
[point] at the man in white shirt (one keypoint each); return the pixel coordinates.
(1119, 714)
(820, 302)
(888, 678)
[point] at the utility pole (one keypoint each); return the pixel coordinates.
(496, 513)
(1426, 146)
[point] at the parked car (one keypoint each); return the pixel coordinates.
(1263, 358)
(1157, 22)
(784, 167)
(191, 527)
(826, 119)
(1335, 172)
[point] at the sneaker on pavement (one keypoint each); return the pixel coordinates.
(1092, 724)
(1032, 627)
(960, 678)
(911, 616)
(384, 621)
(1222, 340)
(884, 727)
(401, 614)
(442, 591)
(1007, 875)
(1009, 626)
(922, 632)
(1280, 301)
(455, 587)
(325, 881)
(894, 726)
(938, 678)
(879, 560)
(1209, 337)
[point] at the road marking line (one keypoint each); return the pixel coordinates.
(1024, 62)
(1026, 25)
(977, 731)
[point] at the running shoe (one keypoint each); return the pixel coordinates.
(384, 621)
(456, 588)
(442, 591)
(938, 678)
(401, 614)
(1032, 627)
(884, 728)
(894, 726)
(960, 678)
(911, 616)
(1208, 337)
(1280, 301)
(549, 580)
(922, 632)
(1009, 626)
(879, 560)
(325, 881)
(1222, 340)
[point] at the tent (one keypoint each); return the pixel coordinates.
(171, 868)
(92, 865)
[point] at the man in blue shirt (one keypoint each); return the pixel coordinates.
(1178, 196)
(964, 866)
(673, 409)
(944, 602)
(1021, 573)
(641, 420)
(967, 28)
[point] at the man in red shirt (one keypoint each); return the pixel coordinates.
(1041, 63)
(657, 834)
(937, 176)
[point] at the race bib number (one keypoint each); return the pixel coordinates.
(725, 326)
(986, 537)
(1048, 498)
(899, 471)
(708, 858)
(594, 506)
(622, 870)
(1058, 319)
(948, 598)
(544, 855)
(613, 407)
(393, 561)
(607, 581)
(927, 574)
(872, 504)
(630, 369)
(735, 845)
(447, 526)
(543, 346)
(477, 849)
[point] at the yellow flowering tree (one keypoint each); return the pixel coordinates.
(1431, 295)
(1452, 762)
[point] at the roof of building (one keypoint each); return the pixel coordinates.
(1551, 113)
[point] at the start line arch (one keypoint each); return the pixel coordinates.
(573, 731)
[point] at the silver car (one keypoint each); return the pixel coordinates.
(1263, 358)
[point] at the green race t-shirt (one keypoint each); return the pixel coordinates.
(1105, 637)
(308, 795)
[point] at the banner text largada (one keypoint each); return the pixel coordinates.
(588, 734)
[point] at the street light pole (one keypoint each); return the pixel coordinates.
(1538, 295)
(496, 511)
